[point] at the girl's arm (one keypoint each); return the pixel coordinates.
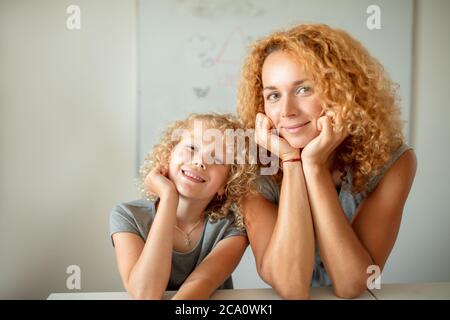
(213, 270)
(145, 267)
(282, 239)
(347, 249)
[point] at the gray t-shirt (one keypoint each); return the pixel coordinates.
(349, 203)
(137, 217)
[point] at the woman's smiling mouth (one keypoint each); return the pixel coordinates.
(295, 128)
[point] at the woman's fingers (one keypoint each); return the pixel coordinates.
(325, 127)
(335, 131)
(262, 129)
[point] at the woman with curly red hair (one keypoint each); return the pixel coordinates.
(335, 207)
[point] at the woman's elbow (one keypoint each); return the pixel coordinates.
(351, 290)
(293, 292)
(286, 288)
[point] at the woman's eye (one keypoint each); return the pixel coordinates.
(303, 90)
(190, 147)
(272, 96)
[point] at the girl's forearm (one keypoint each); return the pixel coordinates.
(150, 275)
(195, 290)
(345, 257)
(289, 257)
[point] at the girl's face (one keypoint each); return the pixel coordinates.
(191, 170)
(290, 101)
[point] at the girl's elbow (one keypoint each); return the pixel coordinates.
(145, 295)
(142, 293)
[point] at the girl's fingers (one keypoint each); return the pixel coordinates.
(164, 170)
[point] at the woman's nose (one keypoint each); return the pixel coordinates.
(288, 108)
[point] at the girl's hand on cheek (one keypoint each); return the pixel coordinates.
(273, 142)
(157, 182)
(318, 151)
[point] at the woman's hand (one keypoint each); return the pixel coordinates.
(158, 183)
(272, 142)
(319, 150)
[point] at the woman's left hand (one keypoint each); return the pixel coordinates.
(319, 150)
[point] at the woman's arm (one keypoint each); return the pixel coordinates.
(347, 249)
(282, 239)
(145, 267)
(213, 270)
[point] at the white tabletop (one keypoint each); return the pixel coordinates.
(413, 291)
(420, 291)
(324, 293)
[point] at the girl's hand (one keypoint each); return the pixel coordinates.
(272, 142)
(319, 150)
(158, 183)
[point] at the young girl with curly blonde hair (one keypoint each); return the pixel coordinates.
(335, 207)
(187, 234)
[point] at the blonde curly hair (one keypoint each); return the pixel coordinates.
(350, 83)
(241, 177)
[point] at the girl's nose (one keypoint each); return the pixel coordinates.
(198, 162)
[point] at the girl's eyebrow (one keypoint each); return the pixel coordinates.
(295, 83)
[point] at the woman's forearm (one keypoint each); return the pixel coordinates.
(289, 257)
(150, 275)
(346, 260)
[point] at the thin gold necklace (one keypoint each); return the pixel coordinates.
(187, 235)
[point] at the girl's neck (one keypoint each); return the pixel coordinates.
(190, 211)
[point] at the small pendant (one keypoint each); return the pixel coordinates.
(187, 241)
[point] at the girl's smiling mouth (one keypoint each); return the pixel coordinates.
(190, 175)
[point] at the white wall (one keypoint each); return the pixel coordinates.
(68, 145)
(68, 141)
(422, 251)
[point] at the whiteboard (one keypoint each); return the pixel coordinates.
(191, 51)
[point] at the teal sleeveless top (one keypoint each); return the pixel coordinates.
(349, 203)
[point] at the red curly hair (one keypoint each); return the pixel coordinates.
(351, 84)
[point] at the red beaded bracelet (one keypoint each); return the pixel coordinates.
(289, 160)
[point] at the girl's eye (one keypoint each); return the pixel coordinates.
(303, 90)
(274, 96)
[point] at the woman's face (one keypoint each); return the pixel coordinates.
(290, 101)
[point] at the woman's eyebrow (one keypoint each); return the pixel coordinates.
(299, 82)
(269, 88)
(295, 83)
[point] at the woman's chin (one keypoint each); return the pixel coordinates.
(297, 143)
(301, 140)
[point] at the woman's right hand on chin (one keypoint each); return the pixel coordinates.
(157, 182)
(271, 141)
